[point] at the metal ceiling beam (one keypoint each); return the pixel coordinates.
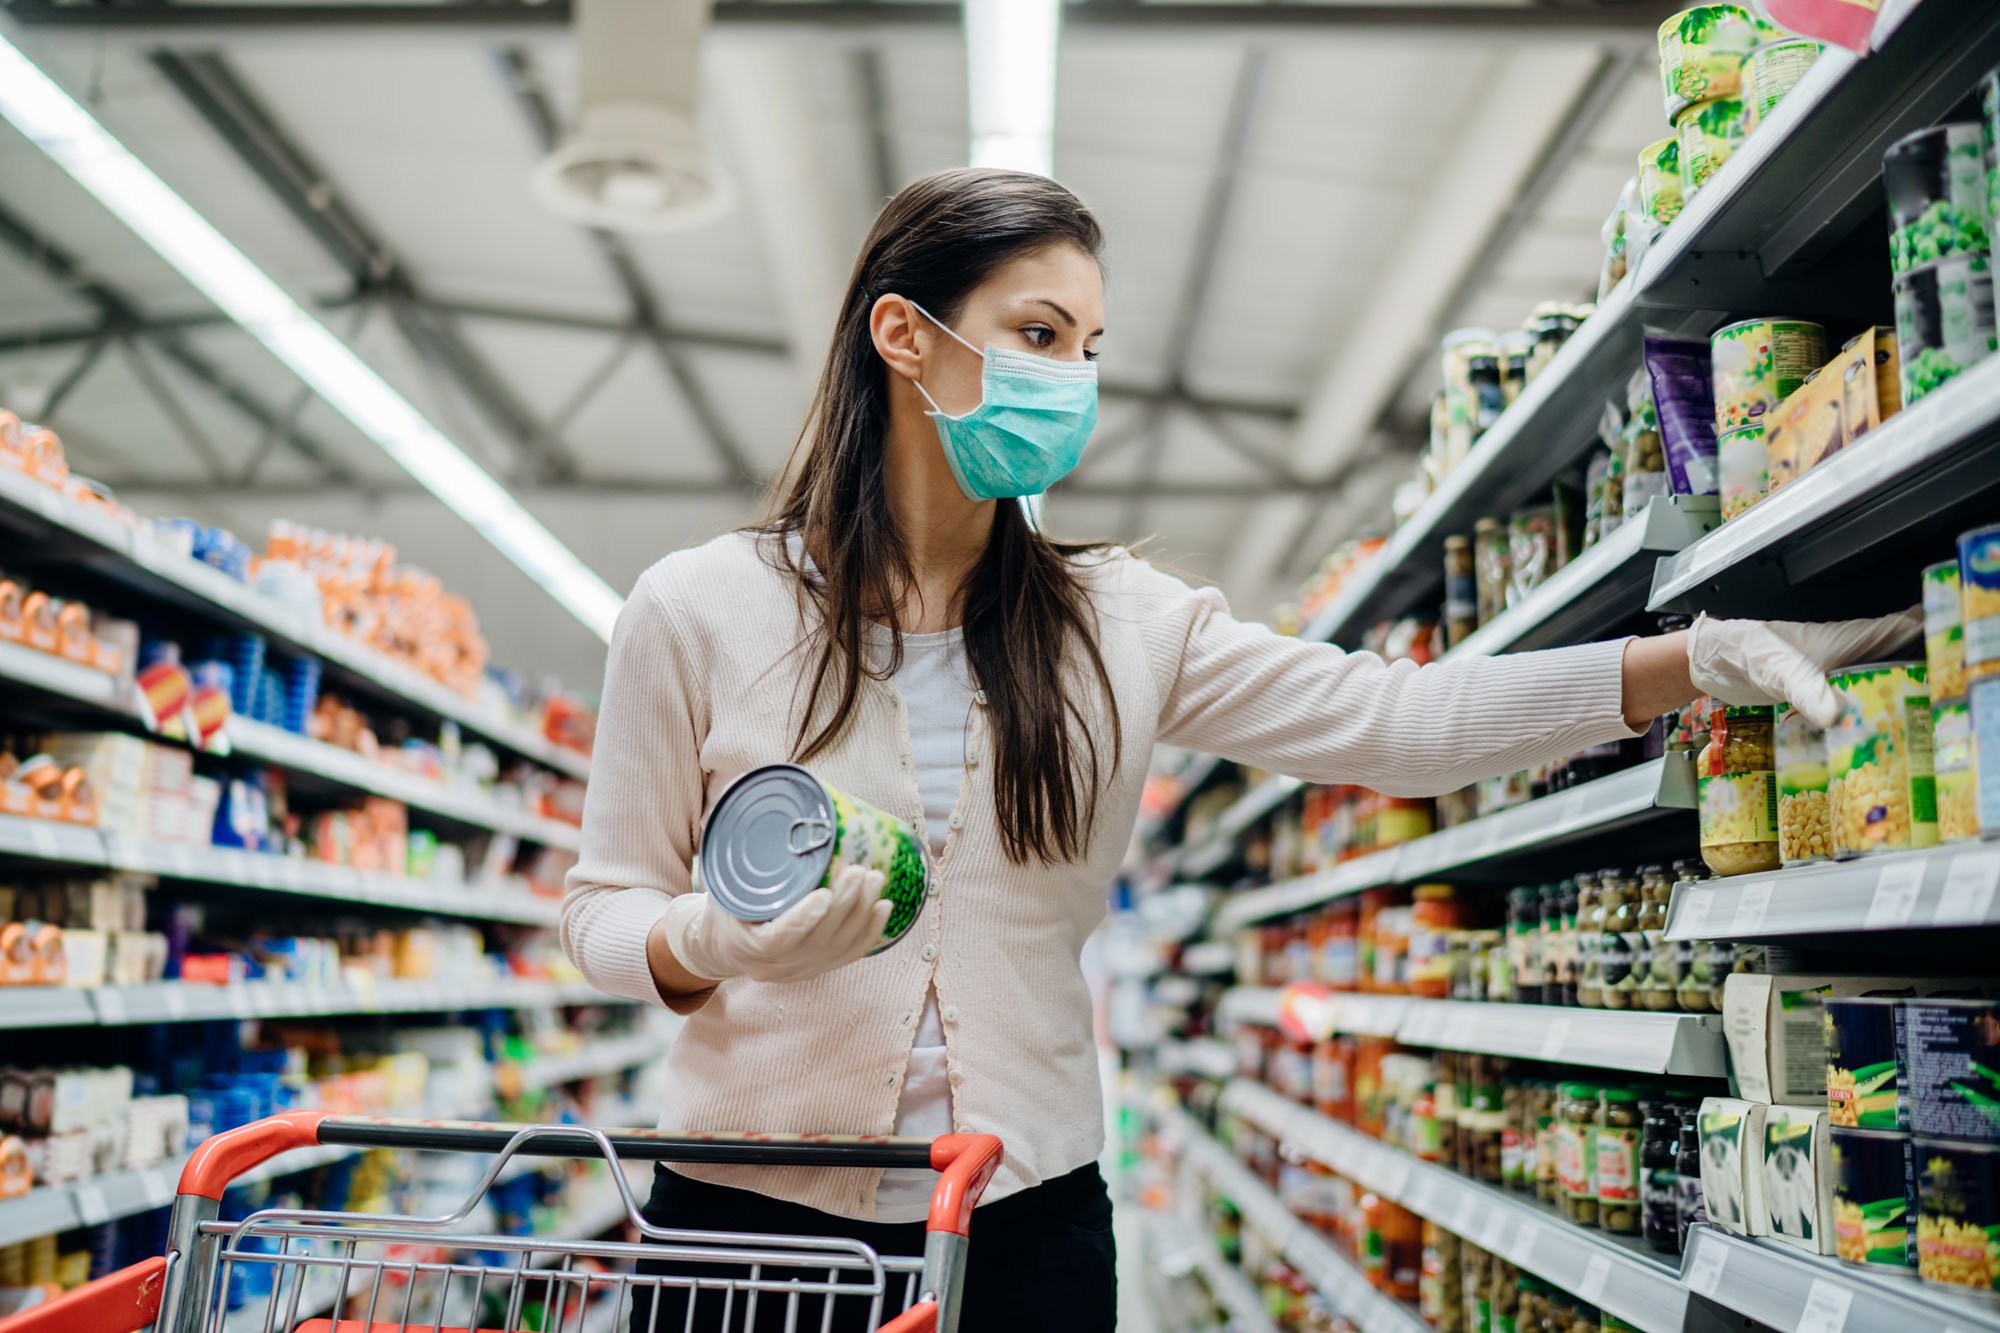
(60, 391)
(209, 85)
(648, 317)
(1224, 179)
(511, 20)
(119, 316)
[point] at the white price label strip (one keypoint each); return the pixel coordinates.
(1493, 1229)
(110, 1001)
(1693, 916)
(176, 1000)
(92, 1208)
(1752, 903)
(1968, 890)
(1896, 890)
(159, 1186)
(1596, 1274)
(1704, 1273)
(46, 844)
(1826, 1308)
(1555, 1038)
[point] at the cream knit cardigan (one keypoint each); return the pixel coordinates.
(703, 681)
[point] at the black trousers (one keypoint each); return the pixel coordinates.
(1041, 1259)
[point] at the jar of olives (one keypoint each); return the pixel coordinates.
(1620, 1129)
(1589, 970)
(1659, 967)
(1576, 1149)
(1737, 784)
(1548, 1153)
(1516, 1137)
(1620, 944)
(1533, 1295)
(1438, 1298)
(1505, 1297)
(1482, 1123)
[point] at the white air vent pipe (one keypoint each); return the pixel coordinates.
(635, 161)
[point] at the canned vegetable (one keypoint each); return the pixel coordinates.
(1944, 321)
(1660, 180)
(1861, 1062)
(1958, 1214)
(1771, 71)
(1979, 597)
(777, 833)
(1805, 829)
(1951, 1063)
(1944, 630)
(1983, 701)
(1936, 182)
(1951, 746)
(1882, 788)
(1756, 363)
(1702, 52)
(1874, 1199)
(1708, 134)
(1744, 467)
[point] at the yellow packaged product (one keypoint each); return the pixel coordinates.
(1979, 598)
(1957, 779)
(1881, 784)
(1805, 829)
(1737, 783)
(1944, 630)
(1838, 404)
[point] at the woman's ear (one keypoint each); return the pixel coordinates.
(894, 327)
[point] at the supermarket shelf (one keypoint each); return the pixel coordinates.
(1191, 775)
(598, 1059)
(1936, 888)
(80, 846)
(1184, 1249)
(1319, 1262)
(184, 1002)
(1942, 451)
(1689, 1045)
(302, 754)
(1595, 807)
(1238, 819)
(1205, 1057)
(1601, 587)
(1623, 1279)
(1795, 1292)
(54, 523)
(37, 670)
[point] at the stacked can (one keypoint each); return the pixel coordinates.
(1951, 716)
(1881, 780)
(1940, 251)
(1703, 54)
(1771, 71)
(1756, 363)
(1979, 611)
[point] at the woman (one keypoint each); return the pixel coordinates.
(902, 629)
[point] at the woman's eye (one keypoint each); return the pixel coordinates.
(1090, 354)
(1039, 335)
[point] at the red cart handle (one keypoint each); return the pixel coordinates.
(220, 1158)
(967, 1162)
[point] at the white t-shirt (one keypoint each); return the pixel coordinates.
(936, 685)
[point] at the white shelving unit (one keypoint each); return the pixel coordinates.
(1937, 888)
(187, 1002)
(1687, 1045)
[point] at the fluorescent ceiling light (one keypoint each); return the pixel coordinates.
(57, 124)
(1010, 51)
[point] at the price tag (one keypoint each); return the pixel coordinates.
(1895, 900)
(239, 1000)
(1395, 1174)
(91, 1205)
(1751, 905)
(1574, 806)
(1968, 890)
(159, 1186)
(180, 861)
(176, 1000)
(1555, 1037)
(47, 845)
(1704, 1271)
(1523, 1252)
(1596, 1274)
(1493, 1229)
(110, 1002)
(1492, 837)
(1826, 1308)
(1692, 918)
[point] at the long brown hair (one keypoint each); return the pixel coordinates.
(1023, 605)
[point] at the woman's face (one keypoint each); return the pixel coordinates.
(1047, 303)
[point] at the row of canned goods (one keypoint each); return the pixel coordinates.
(1902, 767)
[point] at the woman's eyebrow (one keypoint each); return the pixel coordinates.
(1067, 318)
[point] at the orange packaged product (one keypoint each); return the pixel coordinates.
(12, 627)
(1370, 1095)
(1333, 1062)
(73, 637)
(1436, 913)
(38, 621)
(45, 461)
(1400, 819)
(1392, 1247)
(78, 798)
(39, 781)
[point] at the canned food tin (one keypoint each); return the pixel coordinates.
(1708, 134)
(1944, 629)
(1756, 363)
(1944, 321)
(1660, 195)
(1874, 1200)
(777, 833)
(1805, 829)
(1958, 1214)
(1989, 116)
(1957, 796)
(1936, 182)
(1951, 1064)
(1862, 1062)
(1771, 71)
(1702, 52)
(1983, 701)
(1882, 789)
(1744, 467)
(1979, 597)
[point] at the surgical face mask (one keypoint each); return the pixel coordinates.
(1028, 432)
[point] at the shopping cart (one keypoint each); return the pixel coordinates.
(380, 1273)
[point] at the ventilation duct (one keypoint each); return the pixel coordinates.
(635, 160)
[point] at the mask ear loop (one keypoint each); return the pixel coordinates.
(937, 411)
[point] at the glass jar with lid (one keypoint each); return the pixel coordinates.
(1695, 984)
(1524, 944)
(1737, 792)
(1622, 943)
(1620, 1130)
(1576, 1148)
(1548, 1154)
(1659, 968)
(1589, 926)
(1505, 1297)
(1436, 912)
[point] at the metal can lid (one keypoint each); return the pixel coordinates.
(768, 841)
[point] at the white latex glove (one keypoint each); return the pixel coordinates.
(1787, 661)
(826, 929)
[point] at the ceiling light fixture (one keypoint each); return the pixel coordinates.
(57, 124)
(1010, 52)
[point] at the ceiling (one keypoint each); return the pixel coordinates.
(1298, 198)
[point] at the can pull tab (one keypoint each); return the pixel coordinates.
(808, 835)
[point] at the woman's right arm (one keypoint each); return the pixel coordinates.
(642, 812)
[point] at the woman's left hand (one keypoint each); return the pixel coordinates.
(1787, 661)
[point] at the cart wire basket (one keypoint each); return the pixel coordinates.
(386, 1273)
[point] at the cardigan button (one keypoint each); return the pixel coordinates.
(929, 952)
(951, 1013)
(956, 822)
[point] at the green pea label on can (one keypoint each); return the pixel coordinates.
(1755, 365)
(1882, 781)
(1708, 134)
(1771, 71)
(777, 833)
(1702, 51)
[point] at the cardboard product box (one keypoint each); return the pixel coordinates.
(1775, 1027)
(1732, 1179)
(1797, 1184)
(1838, 404)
